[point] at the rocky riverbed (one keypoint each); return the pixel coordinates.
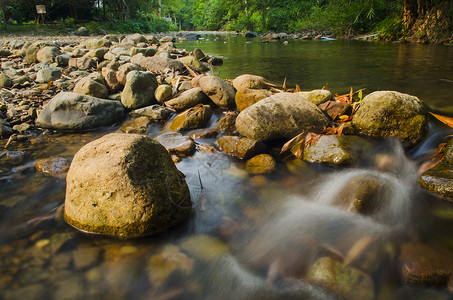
(167, 110)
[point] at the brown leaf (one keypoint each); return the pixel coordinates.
(284, 85)
(311, 139)
(340, 129)
(297, 88)
(292, 142)
(444, 119)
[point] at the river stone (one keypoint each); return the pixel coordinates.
(243, 148)
(246, 97)
(168, 261)
(283, 115)
(192, 61)
(439, 180)
(423, 265)
(46, 74)
(97, 53)
(188, 99)
(54, 166)
(4, 52)
(5, 131)
(198, 54)
(89, 86)
(86, 257)
(163, 92)
(389, 113)
(176, 143)
(32, 51)
(5, 81)
(111, 79)
(193, 118)
(154, 112)
(317, 96)
(124, 69)
(127, 185)
(448, 152)
(85, 63)
(337, 149)
(158, 64)
(48, 54)
(260, 164)
(247, 81)
(136, 125)
(219, 91)
(345, 281)
(72, 111)
(148, 51)
(139, 89)
(82, 31)
(228, 122)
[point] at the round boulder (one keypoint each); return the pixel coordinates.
(125, 185)
(282, 115)
(389, 113)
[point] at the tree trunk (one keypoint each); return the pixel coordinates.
(411, 12)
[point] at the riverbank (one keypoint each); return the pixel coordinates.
(292, 193)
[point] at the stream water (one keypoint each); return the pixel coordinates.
(251, 236)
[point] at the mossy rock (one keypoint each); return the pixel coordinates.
(125, 185)
(390, 113)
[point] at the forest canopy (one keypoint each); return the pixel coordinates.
(421, 18)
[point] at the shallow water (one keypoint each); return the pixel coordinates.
(251, 236)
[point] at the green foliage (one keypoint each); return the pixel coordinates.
(93, 27)
(151, 24)
(69, 22)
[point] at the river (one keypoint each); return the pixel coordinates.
(251, 236)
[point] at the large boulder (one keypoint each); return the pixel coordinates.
(126, 185)
(282, 115)
(219, 91)
(72, 111)
(139, 89)
(188, 99)
(389, 113)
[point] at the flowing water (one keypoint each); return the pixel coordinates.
(251, 236)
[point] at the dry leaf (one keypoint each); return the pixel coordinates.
(444, 119)
(292, 142)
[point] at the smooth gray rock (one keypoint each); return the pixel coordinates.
(46, 74)
(139, 89)
(72, 111)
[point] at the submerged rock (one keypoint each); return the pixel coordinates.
(176, 143)
(54, 166)
(282, 115)
(127, 185)
(337, 149)
(193, 118)
(136, 125)
(345, 281)
(389, 113)
(260, 164)
(421, 264)
(72, 111)
(439, 180)
(243, 148)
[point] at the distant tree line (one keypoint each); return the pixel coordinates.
(395, 17)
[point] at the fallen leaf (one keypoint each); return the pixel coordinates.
(292, 142)
(444, 119)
